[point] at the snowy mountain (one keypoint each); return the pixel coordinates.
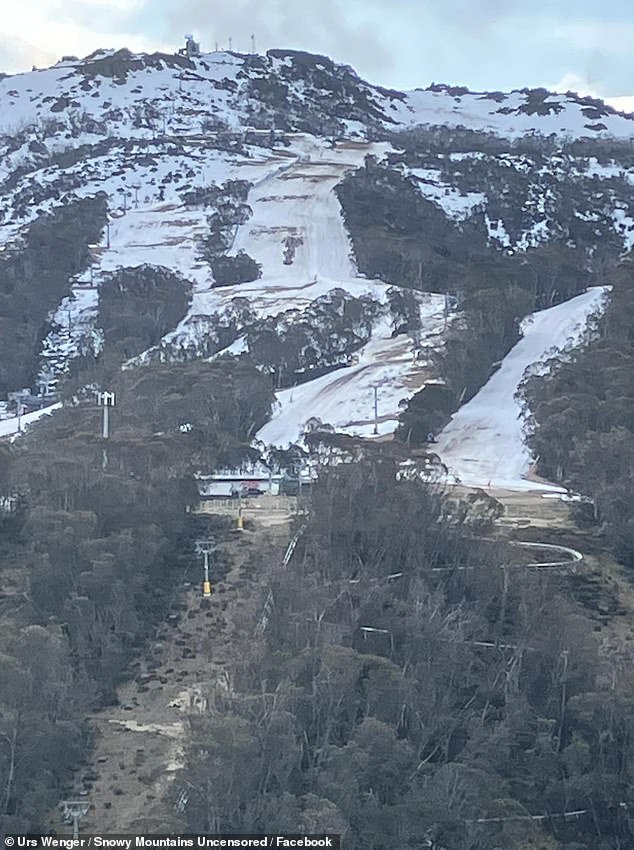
(84, 125)
(223, 173)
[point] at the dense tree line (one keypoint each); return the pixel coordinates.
(93, 539)
(233, 270)
(295, 348)
(582, 417)
(137, 307)
(35, 278)
(405, 239)
(230, 211)
(398, 711)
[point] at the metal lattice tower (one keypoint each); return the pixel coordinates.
(206, 548)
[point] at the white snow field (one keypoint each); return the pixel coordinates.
(292, 198)
(299, 202)
(483, 445)
(296, 201)
(160, 127)
(345, 398)
(15, 425)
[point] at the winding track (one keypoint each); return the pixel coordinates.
(574, 556)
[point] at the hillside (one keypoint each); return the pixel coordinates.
(480, 445)
(273, 263)
(221, 168)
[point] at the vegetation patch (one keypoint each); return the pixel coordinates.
(398, 711)
(35, 277)
(405, 238)
(94, 551)
(582, 418)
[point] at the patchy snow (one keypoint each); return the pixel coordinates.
(72, 333)
(236, 348)
(292, 199)
(344, 398)
(300, 203)
(497, 231)
(161, 233)
(146, 178)
(455, 204)
(295, 202)
(506, 114)
(163, 128)
(624, 226)
(483, 445)
(603, 172)
(535, 235)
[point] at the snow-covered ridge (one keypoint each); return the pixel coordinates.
(153, 132)
(514, 114)
(299, 202)
(146, 127)
(137, 96)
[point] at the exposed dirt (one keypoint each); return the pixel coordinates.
(261, 512)
(139, 743)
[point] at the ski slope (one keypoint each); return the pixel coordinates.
(292, 199)
(293, 203)
(483, 445)
(17, 424)
(344, 398)
(150, 130)
(299, 203)
(296, 201)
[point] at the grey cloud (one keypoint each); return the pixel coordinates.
(401, 43)
(325, 26)
(406, 43)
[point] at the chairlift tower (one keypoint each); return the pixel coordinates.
(74, 810)
(124, 193)
(375, 388)
(206, 548)
(105, 400)
(92, 247)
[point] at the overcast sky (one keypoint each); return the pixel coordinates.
(484, 44)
